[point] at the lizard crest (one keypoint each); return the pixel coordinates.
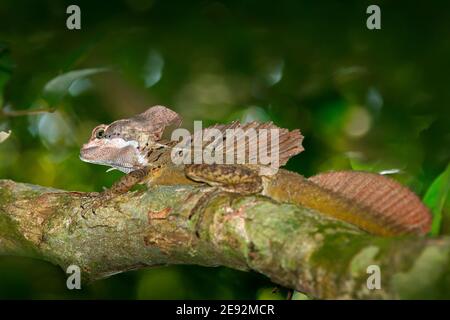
(135, 143)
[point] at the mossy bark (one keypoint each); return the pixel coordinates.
(293, 246)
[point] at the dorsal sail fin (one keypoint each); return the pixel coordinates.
(289, 142)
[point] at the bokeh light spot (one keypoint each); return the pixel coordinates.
(358, 123)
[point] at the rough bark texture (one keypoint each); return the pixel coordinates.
(293, 246)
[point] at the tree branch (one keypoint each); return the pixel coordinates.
(293, 246)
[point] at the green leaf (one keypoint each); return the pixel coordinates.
(58, 87)
(4, 135)
(300, 296)
(436, 197)
(5, 69)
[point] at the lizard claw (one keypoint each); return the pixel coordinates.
(93, 201)
(202, 202)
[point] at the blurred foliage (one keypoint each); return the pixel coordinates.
(365, 100)
(438, 200)
(5, 68)
(57, 88)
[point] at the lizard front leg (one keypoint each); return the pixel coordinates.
(128, 181)
(123, 185)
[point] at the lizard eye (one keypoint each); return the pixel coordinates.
(100, 133)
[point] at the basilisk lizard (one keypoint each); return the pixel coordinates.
(370, 201)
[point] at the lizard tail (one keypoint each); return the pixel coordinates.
(370, 201)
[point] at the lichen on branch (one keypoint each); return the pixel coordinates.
(293, 246)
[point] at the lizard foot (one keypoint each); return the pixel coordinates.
(93, 201)
(203, 201)
(201, 204)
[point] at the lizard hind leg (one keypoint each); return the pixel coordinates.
(227, 177)
(235, 179)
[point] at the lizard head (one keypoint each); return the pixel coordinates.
(124, 144)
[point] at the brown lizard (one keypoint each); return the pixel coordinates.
(136, 146)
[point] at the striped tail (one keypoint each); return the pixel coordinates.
(370, 201)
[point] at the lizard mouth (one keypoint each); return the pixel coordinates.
(86, 150)
(86, 154)
(117, 153)
(124, 169)
(120, 159)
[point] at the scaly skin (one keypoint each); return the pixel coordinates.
(284, 186)
(372, 202)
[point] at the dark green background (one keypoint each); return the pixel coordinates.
(371, 100)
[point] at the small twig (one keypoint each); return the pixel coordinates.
(290, 294)
(19, 113)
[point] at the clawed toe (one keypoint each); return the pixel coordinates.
(93, 201)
